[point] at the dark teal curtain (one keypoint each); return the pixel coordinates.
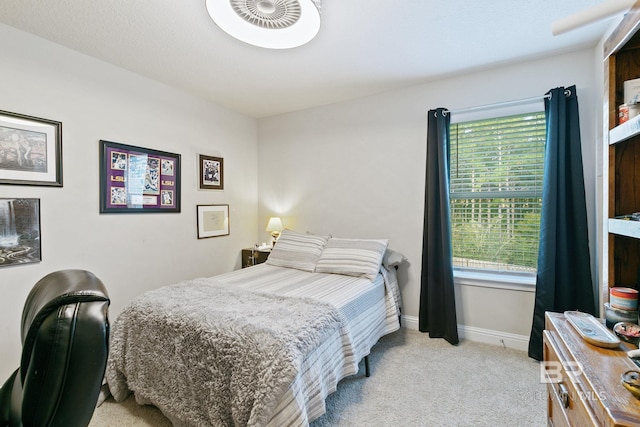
(563, 280)
(437, 299)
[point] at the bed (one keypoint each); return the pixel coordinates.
(263, 345)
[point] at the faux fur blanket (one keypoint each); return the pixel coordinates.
(210, 354)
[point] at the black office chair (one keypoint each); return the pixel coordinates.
(65, 337)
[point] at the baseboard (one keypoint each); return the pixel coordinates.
(487, 336)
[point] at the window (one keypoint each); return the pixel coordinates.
(496, 192)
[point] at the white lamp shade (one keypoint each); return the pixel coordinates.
(274, 24)
(274, 224)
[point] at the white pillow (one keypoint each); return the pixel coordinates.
(392, 258)
(297, 250)
(352, 257)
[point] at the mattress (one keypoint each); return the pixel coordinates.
(367, 311)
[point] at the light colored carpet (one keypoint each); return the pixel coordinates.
(415, 381)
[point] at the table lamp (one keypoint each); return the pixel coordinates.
(275, 227)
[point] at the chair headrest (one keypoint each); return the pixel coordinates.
(52, 291)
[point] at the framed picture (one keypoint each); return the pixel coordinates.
(213, 221)
(30, 150)
(19, 231)
(138, 180)
(211, 172)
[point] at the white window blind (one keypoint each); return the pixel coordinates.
(496, 192)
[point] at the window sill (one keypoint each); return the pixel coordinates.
(513, 282)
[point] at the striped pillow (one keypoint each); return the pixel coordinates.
(297, 250)
(352, 257)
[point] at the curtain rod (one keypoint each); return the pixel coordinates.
(567, 92)
(498, 104)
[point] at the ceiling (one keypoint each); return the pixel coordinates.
(364, 47)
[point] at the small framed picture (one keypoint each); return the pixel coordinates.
(30, 150)
(211, 172)
(213, 221)
(19, 231)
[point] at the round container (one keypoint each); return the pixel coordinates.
(629, 332)
(623, 298)
(614, 315)
(623, 113)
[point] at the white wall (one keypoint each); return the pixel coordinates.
(350, 169)
(130, 253)
(602, 174)
(357, 169)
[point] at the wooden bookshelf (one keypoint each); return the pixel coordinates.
(622, 63)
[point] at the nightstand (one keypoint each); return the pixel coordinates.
(258, 257)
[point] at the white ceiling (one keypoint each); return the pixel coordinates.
(363, 47)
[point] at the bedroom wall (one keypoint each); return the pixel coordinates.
(130, 253)
(356, 169)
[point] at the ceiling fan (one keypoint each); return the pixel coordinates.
(596, 13)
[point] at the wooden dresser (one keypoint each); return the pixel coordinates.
(584, 388)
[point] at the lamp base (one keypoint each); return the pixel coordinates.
(274, 237)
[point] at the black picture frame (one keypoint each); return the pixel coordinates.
(211, 172)
(212, 221)
(30, 150)
(138, 180)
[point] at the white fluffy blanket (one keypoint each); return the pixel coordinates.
(210, 354)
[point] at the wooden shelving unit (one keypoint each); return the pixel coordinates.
(622, 62)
